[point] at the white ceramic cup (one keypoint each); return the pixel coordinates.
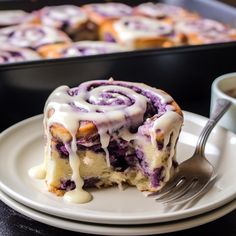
(221, 88)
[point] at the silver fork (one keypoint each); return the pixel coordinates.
(196, 173)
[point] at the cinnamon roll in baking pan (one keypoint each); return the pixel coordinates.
(205, 31)
(140, 32)
(164, 11)
(101, 12)
(31, 36)
(12, 17)
(68, 18)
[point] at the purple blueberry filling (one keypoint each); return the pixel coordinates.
(156, 102)
(131, 160)
(175, 164)
(121, 155)
(160, 145)
(142, 163)
(10, 56)
(91, 182)
(109, 38)
(69, 185)
(156, 176)
(62, 150)
(88, 141)
(109, 98)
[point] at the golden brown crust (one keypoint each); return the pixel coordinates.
(194, 39)
(177, 108)
(52, 50)
(198, 39)
(86, 129)
(107, 27)
(56, 191)
(59, 132)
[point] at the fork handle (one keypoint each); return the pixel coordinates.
(221, 106)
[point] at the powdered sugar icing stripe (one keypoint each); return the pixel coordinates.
(62, 16)
(31, 36)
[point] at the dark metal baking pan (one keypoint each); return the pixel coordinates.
(185, 72)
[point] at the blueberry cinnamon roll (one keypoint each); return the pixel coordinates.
(31, 36)
(68, 18)
(12, 17)
(79, 49)
(205, 31)
(139, 32)
(9, 54)
(103, 133)
(101, 12)
(163, 11)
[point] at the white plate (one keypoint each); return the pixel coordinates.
(21, 147)
(120, 229)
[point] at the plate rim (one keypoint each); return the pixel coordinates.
(84, 227)
(110, 218)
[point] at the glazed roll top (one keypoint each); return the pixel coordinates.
(110, 9)
(206, 30)
(141, 26)
(162, 11)
(63, 17)
(101, 12)
(31, 36)
(12, 17)
(85, 48)
(134, 28)
(10, 54)
(134, 126)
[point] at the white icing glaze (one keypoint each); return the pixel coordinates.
(77, 196)
(58, 16)
(150, 9)
(84, 48)
(207, 30)
(200, 26)
(10, 54)
(159, 10)
(164, 123)
(111, 9)
(12, 17)
(31, 36)
(37, 172)
(135, 27)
